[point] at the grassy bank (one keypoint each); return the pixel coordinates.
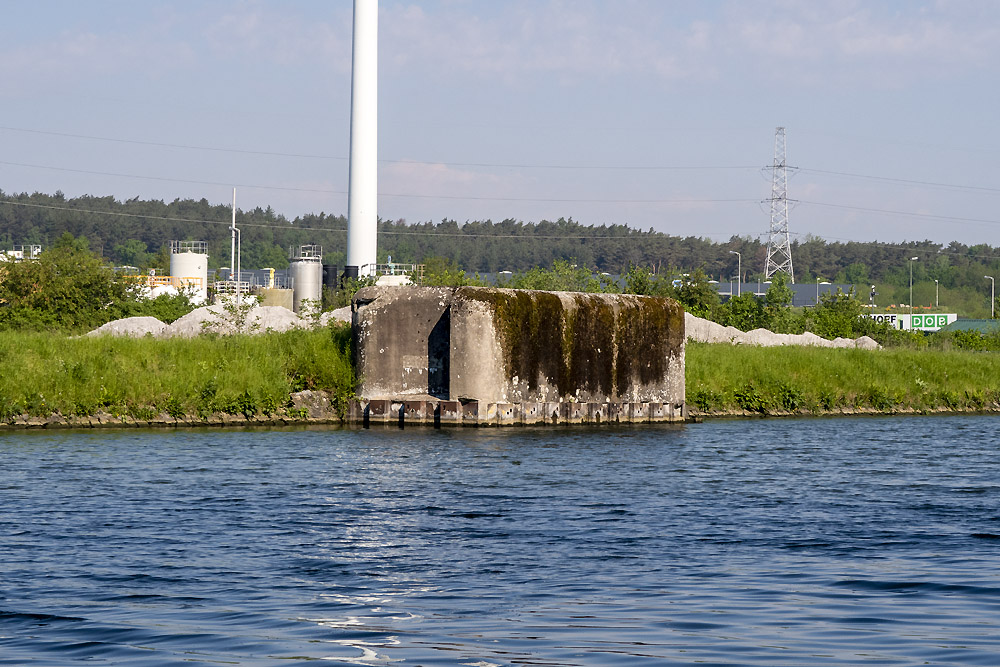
(726, 378)
(252, 376)
(140, 378)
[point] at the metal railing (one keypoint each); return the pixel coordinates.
(200, 247)
(233, 286)
(414, 271)
(19, 253)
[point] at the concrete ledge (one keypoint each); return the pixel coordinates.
(476, 413)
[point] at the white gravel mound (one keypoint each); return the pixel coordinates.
(338, 314)
(866, 343)
(705, 331)
(197, 322)
(214, 319)
(277, 318)
(131, 326)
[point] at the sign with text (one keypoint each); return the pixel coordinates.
(929, 322)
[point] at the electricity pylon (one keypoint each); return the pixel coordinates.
(779, 251)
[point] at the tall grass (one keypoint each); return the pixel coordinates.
(724, 378)
(43, 373)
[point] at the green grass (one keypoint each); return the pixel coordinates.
(141, 378)
(254, 375)
(768, 380)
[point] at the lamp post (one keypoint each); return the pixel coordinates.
(992, 296)
(739, 269)
(912, 260)
(937, 293)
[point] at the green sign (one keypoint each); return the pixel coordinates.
(928, 321)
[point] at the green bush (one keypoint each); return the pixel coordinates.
(68, 288)
(790, 398)
(706, 400)
(564, 276)
(749, 398)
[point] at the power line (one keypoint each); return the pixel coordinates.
(637, 235)
(501, 165)
(385, 161)
(906, 181)
(167, 145)
(902, 247)
(390, 194)
(169, 180)
(800, 201)
(925, 216)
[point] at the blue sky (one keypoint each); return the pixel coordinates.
(651, 113)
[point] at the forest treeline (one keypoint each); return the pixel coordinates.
(137, 232)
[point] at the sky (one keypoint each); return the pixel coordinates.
(656, 114)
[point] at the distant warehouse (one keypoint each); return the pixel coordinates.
(803, 294)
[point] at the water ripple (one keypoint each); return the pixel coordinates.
(792, 542)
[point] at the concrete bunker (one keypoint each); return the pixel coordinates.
(518, 347)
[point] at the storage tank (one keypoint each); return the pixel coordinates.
(189, 268)
(307, 276)
(331, 277)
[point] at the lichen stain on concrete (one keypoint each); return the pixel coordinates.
(603, 347)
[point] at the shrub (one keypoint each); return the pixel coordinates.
(749, 398)
(790, 398)
(706, 399)
(174, 407)
(879, 398)
(66, 288)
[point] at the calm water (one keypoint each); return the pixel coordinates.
(798, 542)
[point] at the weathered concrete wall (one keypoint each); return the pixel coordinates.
(519, 346)
(401, 340)
(523, 345)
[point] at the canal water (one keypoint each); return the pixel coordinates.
(772, 542)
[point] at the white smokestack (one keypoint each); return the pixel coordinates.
(362, 198)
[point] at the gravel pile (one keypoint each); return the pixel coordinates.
(275, 318)
(214, 319)
(207, 319)
(339, 314)
(706, 331)
(131, 326)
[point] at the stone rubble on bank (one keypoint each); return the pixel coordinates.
(705, 331)
(131, 326)
(213, 319)
(305, 408)
(275, 318)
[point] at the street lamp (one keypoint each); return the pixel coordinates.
(992, 296)
(912, 260)
(739, 269)
(936, 294)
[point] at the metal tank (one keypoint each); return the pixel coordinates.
(307, 277)
(189, 268)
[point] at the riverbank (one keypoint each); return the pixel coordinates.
(106, 380)
(303, 377)
(728, 380)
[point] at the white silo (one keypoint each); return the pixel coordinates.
(307, 277)
(189, 268)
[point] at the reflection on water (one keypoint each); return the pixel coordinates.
(831, 542)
